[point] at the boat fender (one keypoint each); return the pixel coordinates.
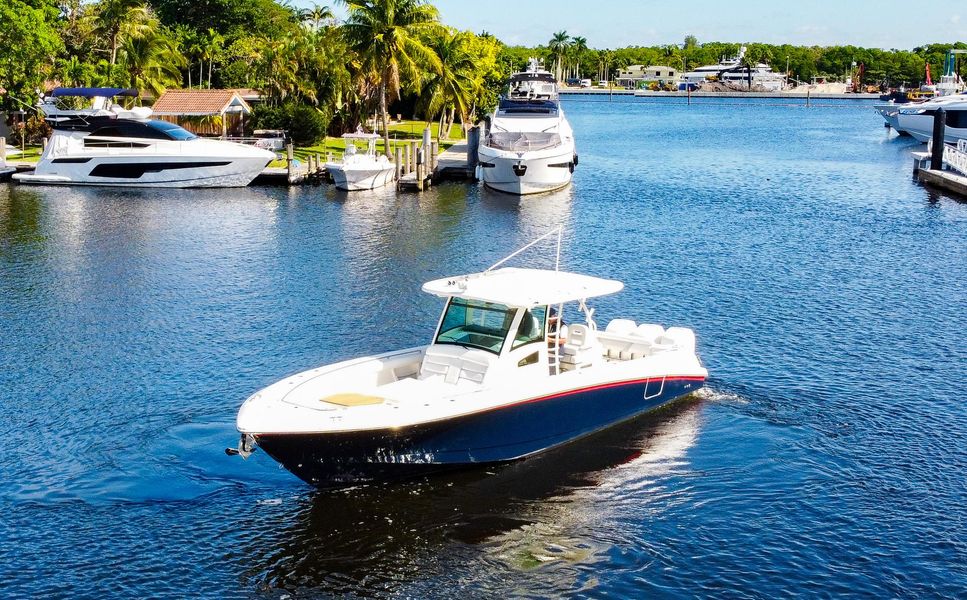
(575, 160)
(570, 167)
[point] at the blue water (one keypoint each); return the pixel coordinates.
(828, 456)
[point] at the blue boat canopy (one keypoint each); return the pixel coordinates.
(90, 92)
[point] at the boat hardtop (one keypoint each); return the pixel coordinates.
(523, 288)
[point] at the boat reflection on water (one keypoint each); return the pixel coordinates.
(388, 538)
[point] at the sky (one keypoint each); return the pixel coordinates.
(885, 24)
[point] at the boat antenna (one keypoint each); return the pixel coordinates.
(559, 230)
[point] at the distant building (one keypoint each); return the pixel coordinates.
(635, 75)
(205, 112)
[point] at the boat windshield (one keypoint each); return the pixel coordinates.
(171, 130)
(475, 324)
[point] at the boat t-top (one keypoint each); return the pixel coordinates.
(529, 147)
(361, 170)
(501, 379)
(107, 144)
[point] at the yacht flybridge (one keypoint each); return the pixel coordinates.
(529, 147)
(500, 380)
(106, 144)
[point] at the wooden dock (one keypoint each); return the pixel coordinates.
(950, 177)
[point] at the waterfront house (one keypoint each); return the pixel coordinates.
(636, 75)
(205, 112)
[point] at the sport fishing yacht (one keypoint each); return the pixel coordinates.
(500, 380)
(106, 144)
(529, 147)
(361, 170)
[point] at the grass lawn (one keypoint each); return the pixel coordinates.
(31, 155)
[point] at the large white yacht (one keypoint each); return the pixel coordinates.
(917, 120)
(529, 147)
(106, 144)
(731, 70)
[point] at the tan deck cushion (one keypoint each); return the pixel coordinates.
(352, 399)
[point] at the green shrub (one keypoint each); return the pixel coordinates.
(306, 125)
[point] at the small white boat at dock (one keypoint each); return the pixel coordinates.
(361, 170)
(499, 381)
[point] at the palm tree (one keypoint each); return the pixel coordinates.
(211, 43)
(579, 47)
(558, 47)
(114, 16)
(388, 37)
(152, 62)
(452, 90)
(317, 16)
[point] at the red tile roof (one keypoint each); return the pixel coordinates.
(197, 102)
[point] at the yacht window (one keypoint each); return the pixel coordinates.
(475, 324)
(531, 328)
(152, 130)
(173, 131)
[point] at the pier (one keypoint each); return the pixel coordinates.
(942, 165)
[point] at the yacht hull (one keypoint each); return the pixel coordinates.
(157, 171)
(498, 435)
(920, 126)
(891, 115)
(352, 180)
(523, 173)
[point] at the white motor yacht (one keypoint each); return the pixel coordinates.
(732, 71)
(106, 144)
(917, 120)
(499, 381)
(529, 147)
(361, 170)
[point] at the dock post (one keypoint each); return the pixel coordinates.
(397, 158)
(406, 159)
(414, 150)
(318, 162)
(473, 145)
(289, 156)
(434, 155)
(420, 170)
(807, 97)
(3, 151)
(939, 129)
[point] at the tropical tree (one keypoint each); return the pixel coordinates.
(116, 17)
(152, 61)
(318, 17)
(579, 47)
(558, 46)
(388, 35)
(452, 90)
(212, 44)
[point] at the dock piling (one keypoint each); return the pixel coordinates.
(406, 159)
(397, 158)
(289, 156)
(939, 129)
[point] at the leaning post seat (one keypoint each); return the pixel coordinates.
(582, 348)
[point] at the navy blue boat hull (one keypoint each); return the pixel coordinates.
(494, 436)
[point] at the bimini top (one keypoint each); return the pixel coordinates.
(523, 288)
(85, 92)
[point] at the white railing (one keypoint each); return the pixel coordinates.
(956, 158)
